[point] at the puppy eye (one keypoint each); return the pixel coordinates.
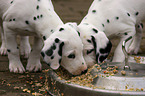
(71, 56)
(90, 51)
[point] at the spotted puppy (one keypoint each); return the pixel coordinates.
(65, 50)
(37, 18)
(116, 18)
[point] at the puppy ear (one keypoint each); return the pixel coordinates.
(54, 50)
(58, 54)
(102, 46)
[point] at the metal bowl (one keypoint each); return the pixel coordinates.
(132, 83)
(107, 86)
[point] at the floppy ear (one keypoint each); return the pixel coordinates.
(102, 46)
(54, 52)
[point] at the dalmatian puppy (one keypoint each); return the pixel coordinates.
(37, 18)
(115, 18)
(65, 50)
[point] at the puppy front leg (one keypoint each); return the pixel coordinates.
(118, 54)
(135, 45)
(34, 57)
(3, 49)
(15, 64)
(25, 46)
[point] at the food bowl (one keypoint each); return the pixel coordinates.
(106, 79)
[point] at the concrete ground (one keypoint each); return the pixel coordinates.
(25, 84)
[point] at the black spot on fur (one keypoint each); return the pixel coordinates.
(42, 54)
(53, 47)
(102, 58)
(71, 56)
(27, 22)
(136, 13)
(125, 33)
(37, 7)
(117, 18)
(94, 11)
(103, 25)
(52, 57)
(44, 38)
(95, 47)
(141, 25)
(60, 49)
(38, 0)
(61, 29)
(12, 2)
(107, 49)
(41, 15)
(78, 33)
(89, 41)
(128, 14)
(38, 16)
(34, 18)
(97, 56)
(95, 30)
(90, 51)
(109, 46)
(8, 50)
(94, 42)
(57, 40)
(59, 61)
(108, 21)
(49, 52)
(52, 30)
(17, 47)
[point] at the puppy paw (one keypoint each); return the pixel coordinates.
(3, 49)
(133, 49)
(34, 67)
(16, 68)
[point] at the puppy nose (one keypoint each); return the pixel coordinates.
(85, 71)
(42, 54)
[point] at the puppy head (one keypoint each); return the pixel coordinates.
(96, 45)
(64, 47)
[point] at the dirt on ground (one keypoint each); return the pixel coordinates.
(29, 84)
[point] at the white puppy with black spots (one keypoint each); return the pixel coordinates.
(116, 18)
(37, 18)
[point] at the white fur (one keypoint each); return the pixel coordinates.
(118, 18)
(29, 18)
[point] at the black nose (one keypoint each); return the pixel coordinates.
(42, 54)
(85, 71)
